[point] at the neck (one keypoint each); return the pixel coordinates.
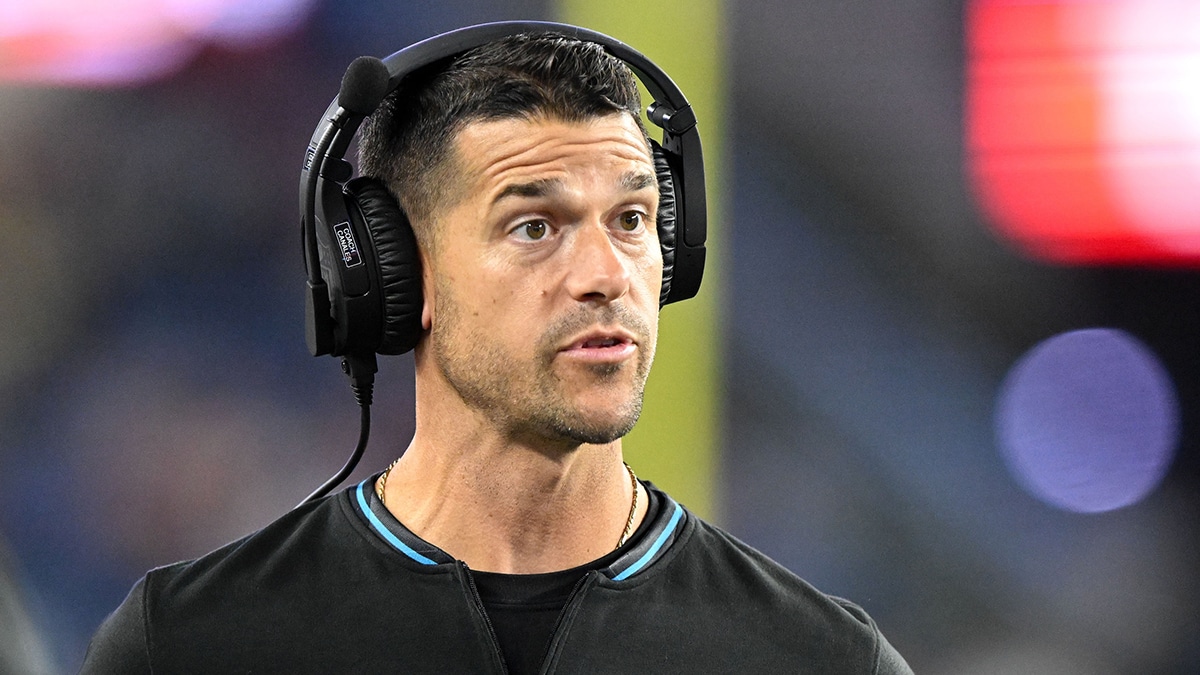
(505, 506)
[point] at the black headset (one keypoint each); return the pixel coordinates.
(364, 279)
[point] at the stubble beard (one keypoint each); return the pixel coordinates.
(525, 398)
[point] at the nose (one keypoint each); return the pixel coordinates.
(598, 271)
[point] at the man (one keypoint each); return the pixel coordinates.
(510, 536)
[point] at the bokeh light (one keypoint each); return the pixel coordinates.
(129, 41)
(1082, 134)
(1088, 420)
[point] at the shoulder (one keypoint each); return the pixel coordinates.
(785, 610)
(303, 532)
(758, 580)
(120, 646)
(253, 578)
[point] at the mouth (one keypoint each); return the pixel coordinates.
(601, 338)
(601, 342)
(601, 345)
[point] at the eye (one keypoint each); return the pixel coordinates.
(631, 220)
(532, 230)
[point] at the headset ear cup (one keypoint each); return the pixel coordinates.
(666, 217)
(398, 263)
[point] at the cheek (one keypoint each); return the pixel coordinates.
(513, 297)
(650, 268)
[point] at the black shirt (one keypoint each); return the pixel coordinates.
(339, 585)
(524, 608)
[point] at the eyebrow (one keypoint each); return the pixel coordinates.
(638, 180)
(537, 188)
(632, 181)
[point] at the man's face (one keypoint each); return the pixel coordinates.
(546, 275)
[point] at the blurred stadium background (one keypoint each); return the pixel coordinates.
(945, 362)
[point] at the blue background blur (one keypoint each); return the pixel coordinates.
(157, 400)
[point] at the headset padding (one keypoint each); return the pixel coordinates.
(666, 217)
(398, 260)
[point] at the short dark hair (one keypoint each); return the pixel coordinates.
(408, 141)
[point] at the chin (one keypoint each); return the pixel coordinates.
(583, 424)
(593, 435)
(602, 429)
(568, 434)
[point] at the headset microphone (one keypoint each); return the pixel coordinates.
(363, 86)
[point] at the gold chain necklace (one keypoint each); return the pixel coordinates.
(382, 485)
(383, 481)
(632, 507)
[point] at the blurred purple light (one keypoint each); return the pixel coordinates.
(241, 24)
(1088, 420)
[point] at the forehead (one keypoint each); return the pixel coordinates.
(495, 152)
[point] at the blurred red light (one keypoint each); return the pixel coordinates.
(1068, 150)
